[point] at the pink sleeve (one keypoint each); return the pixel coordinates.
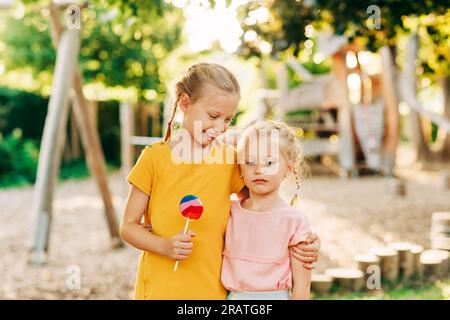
(302, 229)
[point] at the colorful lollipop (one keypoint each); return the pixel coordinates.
(191, 208)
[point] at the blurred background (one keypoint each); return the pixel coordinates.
(366, 84)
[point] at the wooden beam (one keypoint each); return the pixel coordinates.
(346, 136)
(391, 109)
(90, 139)
(51, 144)
(126, 132)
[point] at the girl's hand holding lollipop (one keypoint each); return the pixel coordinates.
(191, 208)
(180, 246)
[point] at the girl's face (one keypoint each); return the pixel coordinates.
(263, 173)
(210, 115)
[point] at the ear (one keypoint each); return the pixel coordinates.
(290, 168)
(184, 102)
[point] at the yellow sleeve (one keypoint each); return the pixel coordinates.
(142, 174)
(237, 183)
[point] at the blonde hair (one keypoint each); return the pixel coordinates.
(292, 147)
(196, 77)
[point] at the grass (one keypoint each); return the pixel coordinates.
(439, 290)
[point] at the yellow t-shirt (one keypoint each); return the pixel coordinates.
(166, 182)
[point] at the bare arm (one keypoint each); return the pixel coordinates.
(178, 247)
(301, 281)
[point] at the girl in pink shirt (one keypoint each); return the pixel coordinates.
(256, 263)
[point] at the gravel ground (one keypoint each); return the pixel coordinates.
(351, 216)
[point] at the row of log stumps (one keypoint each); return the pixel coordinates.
(396, 263)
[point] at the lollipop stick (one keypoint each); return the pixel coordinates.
(185, 230)
(186, 225)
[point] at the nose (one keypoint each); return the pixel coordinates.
(258, 168)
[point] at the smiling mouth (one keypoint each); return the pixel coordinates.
(211, 137)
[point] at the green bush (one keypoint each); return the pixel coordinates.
(24, 110)
(19, 159)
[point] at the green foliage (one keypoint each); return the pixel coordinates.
(19, 159)
(286, 27)
(22, 118)
(109, 130)
(123, 44)
(24, 110)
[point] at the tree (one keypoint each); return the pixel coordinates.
(123, 43)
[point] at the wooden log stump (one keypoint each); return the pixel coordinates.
(416, 251)
(321, 283)
(432, 265)
(406, 259)
(347, 279)
(444, 256)
(389, 263)
(440, 241)
(364, 261)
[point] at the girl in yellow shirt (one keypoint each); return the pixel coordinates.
(193, 162)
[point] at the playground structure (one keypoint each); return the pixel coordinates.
(66, 40)
(370, 123)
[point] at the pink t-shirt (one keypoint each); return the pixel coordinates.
(256, 255)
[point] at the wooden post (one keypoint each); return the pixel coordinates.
(444, 255)
(155, 114)
(365, 261)
(143, 118)
(346, 138)
(52, 139)
(406, 259)
(347, 279)
(320, 283)
(417, 132)
(392, 115)
(89, 137)
(433, 265)
(389, 262)
(416, 251)
(126, 133)
(93, 108)
(74, 136)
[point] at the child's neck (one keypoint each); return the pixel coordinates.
(264, 202)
